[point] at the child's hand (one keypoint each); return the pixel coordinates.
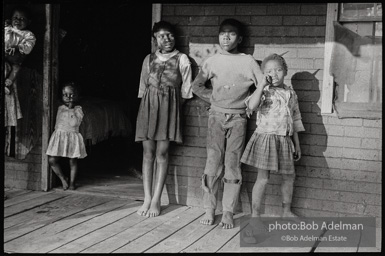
(10, 51)
(297, 155)
(249, 112)
(267, 81)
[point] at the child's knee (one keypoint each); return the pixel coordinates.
(161, 157)
(149, 155)
(288, 178)
(73, 161)
(262, 181)
(15, 67)
(52, 160)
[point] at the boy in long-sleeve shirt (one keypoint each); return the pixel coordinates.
(231, 74)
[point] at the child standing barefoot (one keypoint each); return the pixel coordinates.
(165, 82)
(231, 74)
(66, 141)
(271, 146)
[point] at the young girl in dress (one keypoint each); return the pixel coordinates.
(66, 141)
(164, 84)
(271, 147)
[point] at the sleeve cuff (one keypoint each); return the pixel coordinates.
(298, 126)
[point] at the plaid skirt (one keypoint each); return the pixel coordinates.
(270, 152)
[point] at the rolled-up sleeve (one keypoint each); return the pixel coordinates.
(27, 43)
(186, 72)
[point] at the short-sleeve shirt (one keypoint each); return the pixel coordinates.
(278, 113)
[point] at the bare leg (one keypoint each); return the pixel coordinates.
(54, 162)
(74, 172)
(12, 76)
(258, 192)
(208, 218)
(147, 171)
(162, 166)
(287, 194)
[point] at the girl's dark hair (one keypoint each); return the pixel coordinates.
(276, 57)
(73, 85)
(232, 22)
(23, 9)
(162, 25)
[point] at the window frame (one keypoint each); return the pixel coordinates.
(349, 109)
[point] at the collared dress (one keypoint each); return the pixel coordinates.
(66, 140)
(278, 116)
(165, 79)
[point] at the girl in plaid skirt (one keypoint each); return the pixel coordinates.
(274, 146)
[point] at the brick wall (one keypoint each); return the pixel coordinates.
(340, 170)
(24, 174)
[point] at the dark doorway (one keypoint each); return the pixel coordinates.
(102, 49)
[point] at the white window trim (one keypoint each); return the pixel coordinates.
(328, 80)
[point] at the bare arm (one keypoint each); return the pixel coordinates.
(199, 84)
(255, 98)
(297, 153)
(186, 72)
(143, 76)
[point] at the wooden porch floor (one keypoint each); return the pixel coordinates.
(85, 222)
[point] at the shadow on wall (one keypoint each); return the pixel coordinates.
(313, 165)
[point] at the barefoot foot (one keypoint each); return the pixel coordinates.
(289, 214)
(72, 187)
(208, 218)
(227, 221)
(257, 225)
(144, 208)
(154, 209)
(64, 182)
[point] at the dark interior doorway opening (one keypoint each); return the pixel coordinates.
(102, 47)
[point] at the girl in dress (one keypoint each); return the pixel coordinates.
(164, 84)
(66, 141)
(274, 146)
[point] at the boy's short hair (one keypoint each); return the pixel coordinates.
(162, 25)
(276, 57)
(232, 22)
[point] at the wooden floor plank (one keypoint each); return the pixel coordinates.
(183, 238)
(39, 217)
(113, 243)
(33, 203)
(101, 234)
(36, 241)
(84, 229)
(215, 239)
(353, 237)
(158, 234)
(234, 246)
(25, 197)
(11, 193)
